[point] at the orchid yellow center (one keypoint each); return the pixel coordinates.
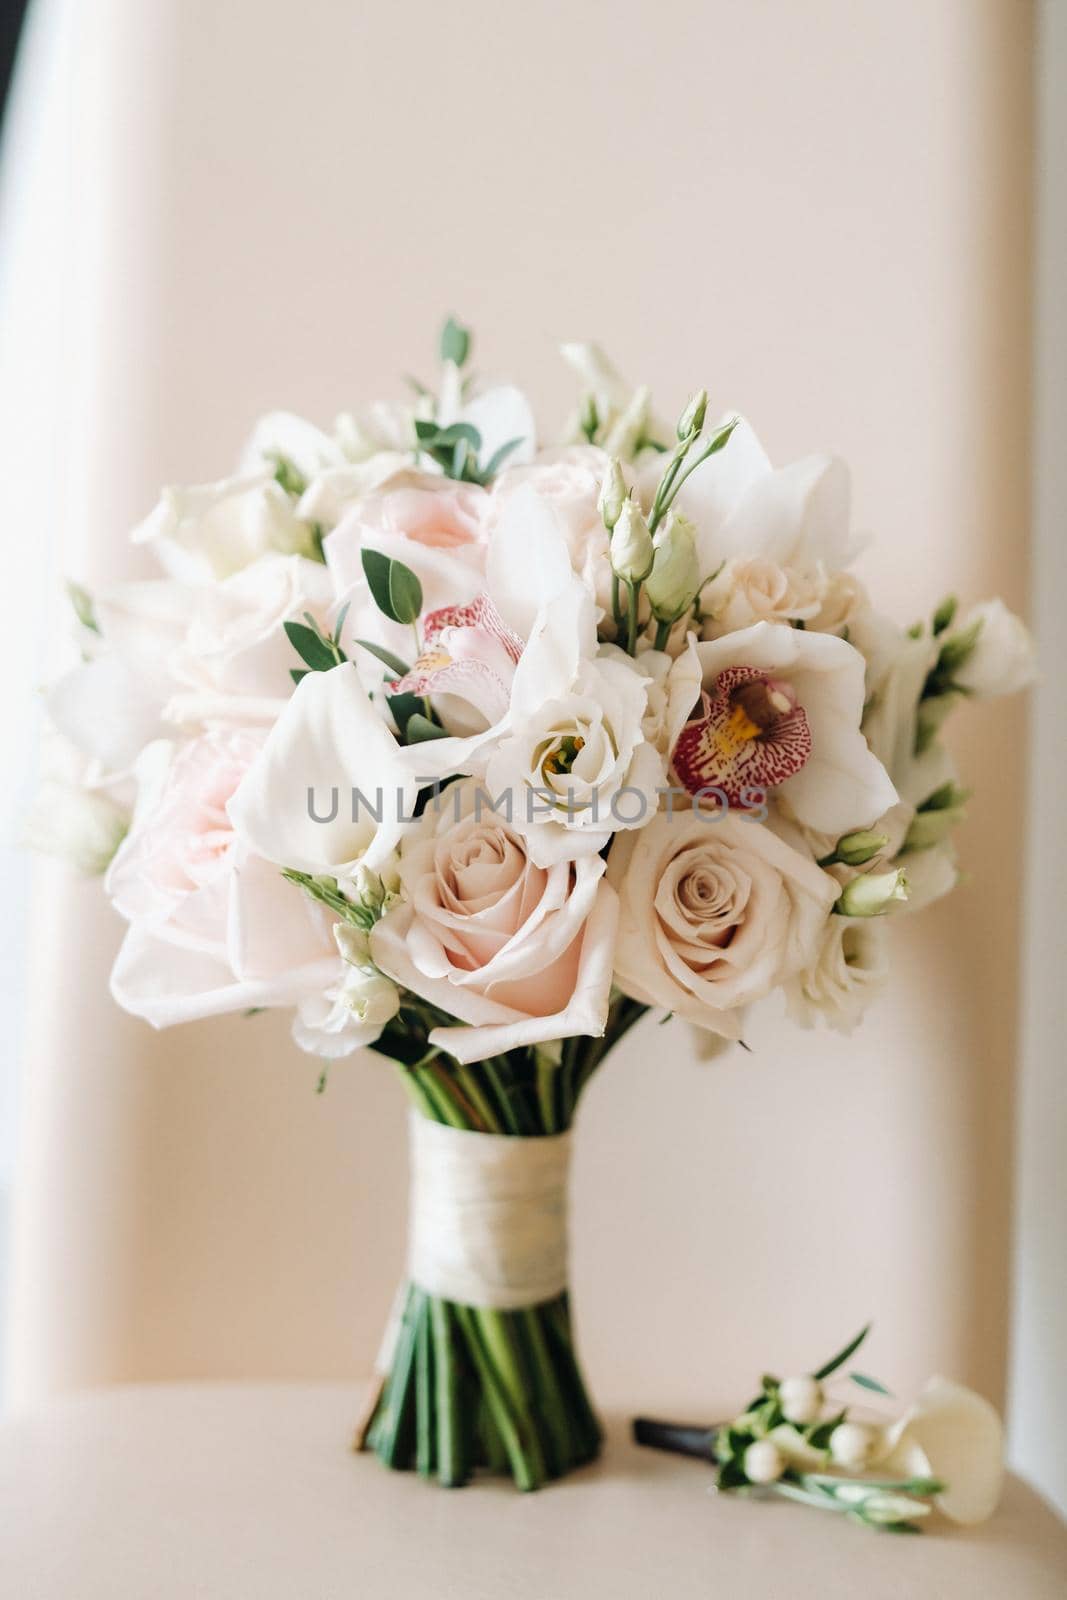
(433, 660)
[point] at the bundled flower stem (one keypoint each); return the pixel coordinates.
(470, 1386)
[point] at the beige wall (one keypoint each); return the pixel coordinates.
(821, 211)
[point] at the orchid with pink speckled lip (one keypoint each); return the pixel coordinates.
(469, 654)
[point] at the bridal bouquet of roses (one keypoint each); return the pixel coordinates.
(471, 749)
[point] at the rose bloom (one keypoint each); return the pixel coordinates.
(213, 927)
(713, 914)
(567, 482)
(520, 954)
(755, 589)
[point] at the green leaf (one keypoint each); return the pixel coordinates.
(419, 729)
(869, 1383)
(386, 657)
(498, 457)
(958, 648)
(450, 436)
(298, 674)
(843, 1355)
(287, 474)
(404, 707)
(455, 342)
(405, 593)
(461, 459)
(84, 610)
(310, 647)
(944, 614)
(396, 590)
(342, 617)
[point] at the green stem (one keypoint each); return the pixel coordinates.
(632, 592)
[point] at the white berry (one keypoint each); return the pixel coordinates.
(800, 1399)
(850, 1445)
(763, 1462)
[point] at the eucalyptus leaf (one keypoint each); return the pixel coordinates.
(395, 589)
(310, 647)
(386, 657)
(455, 342)
(869, 1383)
(405, 593)
(498, 457)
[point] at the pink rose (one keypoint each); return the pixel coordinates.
(213, 927)
(520, 954)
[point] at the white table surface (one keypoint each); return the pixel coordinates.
(232, 1492)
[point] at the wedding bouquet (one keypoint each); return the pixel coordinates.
(469, 750)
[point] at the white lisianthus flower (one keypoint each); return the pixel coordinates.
(714, 914)
(751, 589)
(519, 953)
(348, 1014)
(796, 516)
(111, 705)
(780, 712)
(851, 966)
(235, 662)
(578, 767)
(623, 414)
(210, 530)
(955, 1435)
(330, 789)
(1003, 658)
(214, 529)
(897, 669)
(673, 689)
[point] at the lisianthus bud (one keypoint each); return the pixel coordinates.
(763, 1462)
(675, 577)
(872, 893)
(856, 849)
(692, 418)
(353, 943)
(800, 1399)
(612, 494)
(374, 998)
(851, 1446)
(631, 544)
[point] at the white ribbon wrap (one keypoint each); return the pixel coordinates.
(488, 1215)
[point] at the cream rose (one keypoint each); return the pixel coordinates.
(713, 915)
(519, 954)
(752, 589)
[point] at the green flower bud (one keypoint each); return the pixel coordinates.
(631, 544)
(872, 893)
(856, 849)
(673, 583)
(692, 418)
(612, 494)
